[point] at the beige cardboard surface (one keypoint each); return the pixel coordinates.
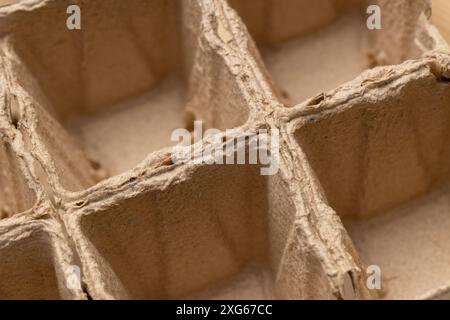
(88, 180)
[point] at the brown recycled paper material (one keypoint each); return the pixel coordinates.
(88, 188)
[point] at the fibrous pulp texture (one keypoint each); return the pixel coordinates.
(87, 178)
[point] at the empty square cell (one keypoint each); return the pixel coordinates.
(218, 234)
(28, 269)
(116, 85)
(384, 168)
(311, 47)
(119, 85)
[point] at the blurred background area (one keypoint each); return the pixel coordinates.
(441, 14)
(441, 17)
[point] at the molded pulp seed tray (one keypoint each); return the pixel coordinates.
(87, 177)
